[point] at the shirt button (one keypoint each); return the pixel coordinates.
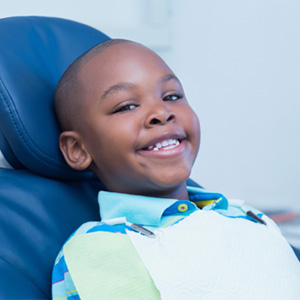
(183, 207)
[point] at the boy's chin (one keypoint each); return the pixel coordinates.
(157, 186)
(171, 177)
(171, 182)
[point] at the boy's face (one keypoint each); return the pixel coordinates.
(138, 128)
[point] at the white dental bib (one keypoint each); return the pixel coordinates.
(209, 256)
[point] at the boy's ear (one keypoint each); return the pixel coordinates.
(73, 150)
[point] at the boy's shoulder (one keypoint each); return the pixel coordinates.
(237, 208)
(92, 244)
(84, 234)
(232, 208)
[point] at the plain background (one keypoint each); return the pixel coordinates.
(239, 62)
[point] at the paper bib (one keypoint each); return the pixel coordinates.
(209, 256)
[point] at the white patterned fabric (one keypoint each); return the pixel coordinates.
(231, 258)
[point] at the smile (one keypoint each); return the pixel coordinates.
(164, 145)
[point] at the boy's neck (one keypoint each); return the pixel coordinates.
(179, 193)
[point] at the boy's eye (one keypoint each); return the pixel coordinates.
(173, 97)
(125, 107)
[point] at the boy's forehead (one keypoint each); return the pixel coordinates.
(119, 57)
(122, 50)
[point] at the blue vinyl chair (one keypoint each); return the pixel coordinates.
(42, 200)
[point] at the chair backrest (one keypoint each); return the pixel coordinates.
(34, 53)
(42, 200)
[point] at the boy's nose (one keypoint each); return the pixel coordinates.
(160, 115)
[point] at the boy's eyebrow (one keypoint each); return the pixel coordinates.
(169, 77)
(118, 87)
(127, 85)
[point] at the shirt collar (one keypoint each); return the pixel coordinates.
(137, 209)
(207, 200)
(149, 210)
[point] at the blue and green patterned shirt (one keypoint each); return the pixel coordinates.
(150, 213)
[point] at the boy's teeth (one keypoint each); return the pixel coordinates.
(165, 145)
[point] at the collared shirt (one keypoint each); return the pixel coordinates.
(150, 212)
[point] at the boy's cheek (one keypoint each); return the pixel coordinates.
(195, 126)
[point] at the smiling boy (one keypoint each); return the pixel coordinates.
(124, 116)
(136, 105)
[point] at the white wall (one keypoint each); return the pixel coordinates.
(147, 21)
(239, 62)
(240, 65)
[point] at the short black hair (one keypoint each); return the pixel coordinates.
(67, 92)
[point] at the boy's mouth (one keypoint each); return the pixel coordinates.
(163, 145)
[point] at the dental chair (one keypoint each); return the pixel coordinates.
(42, 200)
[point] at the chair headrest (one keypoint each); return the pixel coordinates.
(34, 53)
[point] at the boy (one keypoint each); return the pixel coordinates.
(124, 116)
